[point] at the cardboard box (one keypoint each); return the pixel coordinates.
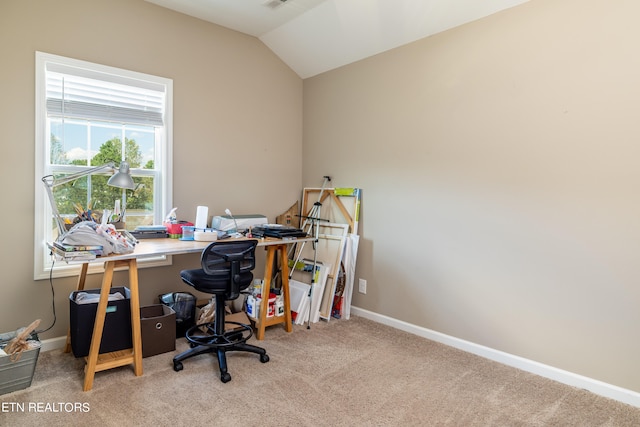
(116, 334)
(158, 326)
(19, 374)
(240, 317)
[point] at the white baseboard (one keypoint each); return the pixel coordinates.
(53, 343)
(598, 387)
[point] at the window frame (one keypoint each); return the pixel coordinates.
(44, 267)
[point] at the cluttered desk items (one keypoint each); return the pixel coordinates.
(238, 223)
(150, 232)
(277, 231)
(88, 233)
(121, 179)
(88, 240)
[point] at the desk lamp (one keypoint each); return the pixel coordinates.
(121, 179)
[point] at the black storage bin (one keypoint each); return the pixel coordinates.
(158, 327)
(116, 334)
(184, 304)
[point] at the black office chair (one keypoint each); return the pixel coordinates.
(226, 271)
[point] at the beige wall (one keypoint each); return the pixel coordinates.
(501, 186)
(237, 114)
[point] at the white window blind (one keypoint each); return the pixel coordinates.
(86, 94)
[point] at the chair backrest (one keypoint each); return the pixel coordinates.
(233, 259)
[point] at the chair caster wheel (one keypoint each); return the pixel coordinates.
(264, 358)
(225, 378)
(177, 366)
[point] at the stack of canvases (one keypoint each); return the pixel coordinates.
(334, 214)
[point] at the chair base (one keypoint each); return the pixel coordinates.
(219, 343)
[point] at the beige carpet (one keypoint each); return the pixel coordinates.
(341, 373)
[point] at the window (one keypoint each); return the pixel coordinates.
(88, 115)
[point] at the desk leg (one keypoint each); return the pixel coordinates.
(82, 278)
(136, 333)
(96, 338)
(263, 321)
(266, 287)
(99, 362)
(284, 271)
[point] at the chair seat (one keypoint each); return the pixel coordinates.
(212, 284)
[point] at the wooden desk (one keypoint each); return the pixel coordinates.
(97, 362)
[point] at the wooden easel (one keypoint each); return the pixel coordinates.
(343, 205)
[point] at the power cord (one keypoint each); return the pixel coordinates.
(53, 298)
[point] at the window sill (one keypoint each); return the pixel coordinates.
(62, 269)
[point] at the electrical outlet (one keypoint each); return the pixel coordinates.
(362, 286)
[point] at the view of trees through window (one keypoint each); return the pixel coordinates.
(81, 144)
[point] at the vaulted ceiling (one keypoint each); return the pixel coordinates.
(314, 36)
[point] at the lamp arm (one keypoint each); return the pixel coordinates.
(50, 181)
(54, 209)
